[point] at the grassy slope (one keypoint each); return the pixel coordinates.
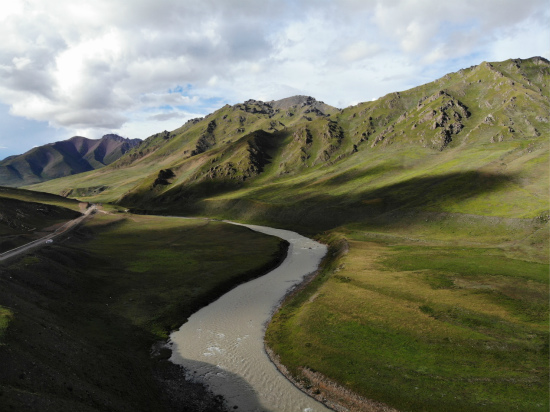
(135, 173)
(40, 197)
(491, 119)
(84, 314)
(476, 173)
(479, 197)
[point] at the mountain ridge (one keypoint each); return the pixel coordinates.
(75, 155)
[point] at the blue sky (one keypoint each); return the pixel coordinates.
(136, 68)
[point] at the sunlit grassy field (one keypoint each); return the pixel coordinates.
(424, 328)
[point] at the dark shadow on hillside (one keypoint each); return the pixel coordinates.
(323, 211)
(354, 174)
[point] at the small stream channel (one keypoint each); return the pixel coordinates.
(222, 345)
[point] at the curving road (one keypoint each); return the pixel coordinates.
(46, 239)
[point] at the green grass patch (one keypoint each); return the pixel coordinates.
(6, 316)
(156, 271)
(424, 328)
(466, 262)
(39, 197)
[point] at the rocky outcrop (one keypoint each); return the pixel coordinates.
(246, 163)
(206, 140)
(445, 117)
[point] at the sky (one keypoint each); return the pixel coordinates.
(139, 67)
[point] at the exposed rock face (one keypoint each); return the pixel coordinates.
(288, 105)
(445, 118)
(333, 135)
(207, 139)
(245, 163)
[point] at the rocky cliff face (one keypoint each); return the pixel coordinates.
(75, 155)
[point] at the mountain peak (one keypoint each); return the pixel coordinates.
(75, 155)
(294, 101)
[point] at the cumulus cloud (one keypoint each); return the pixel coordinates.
(104, 64)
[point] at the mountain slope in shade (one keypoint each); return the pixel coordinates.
(24, 215)
(69, 157)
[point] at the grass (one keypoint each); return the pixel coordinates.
(40, 197)
(178, 265)
(24, 215)
(469, 263)
(421, 329)
(5, 316)
(441, 302)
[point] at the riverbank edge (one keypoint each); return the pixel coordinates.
(314, 384)
(172, 376)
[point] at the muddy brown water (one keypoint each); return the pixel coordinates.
(222, 345)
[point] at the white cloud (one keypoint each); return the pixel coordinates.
(110, 64)
(359, 51)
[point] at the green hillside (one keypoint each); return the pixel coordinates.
(434, 202)
(476, 138)
(81, 331)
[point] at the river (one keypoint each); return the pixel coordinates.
(222, 345)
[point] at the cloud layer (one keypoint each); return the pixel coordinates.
(133, 66)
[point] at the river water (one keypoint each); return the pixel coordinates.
(222, 345)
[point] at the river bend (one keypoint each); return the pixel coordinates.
(222, 345)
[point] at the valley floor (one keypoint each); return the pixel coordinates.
(78, 319)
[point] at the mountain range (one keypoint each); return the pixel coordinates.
(480, 130)
(75, 155)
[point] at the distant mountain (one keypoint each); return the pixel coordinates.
(69, 157)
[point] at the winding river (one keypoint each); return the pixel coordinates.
(222, 345)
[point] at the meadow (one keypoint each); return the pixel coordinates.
(426, 327)
(25, 215)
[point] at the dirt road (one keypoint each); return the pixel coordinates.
(49, 238)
